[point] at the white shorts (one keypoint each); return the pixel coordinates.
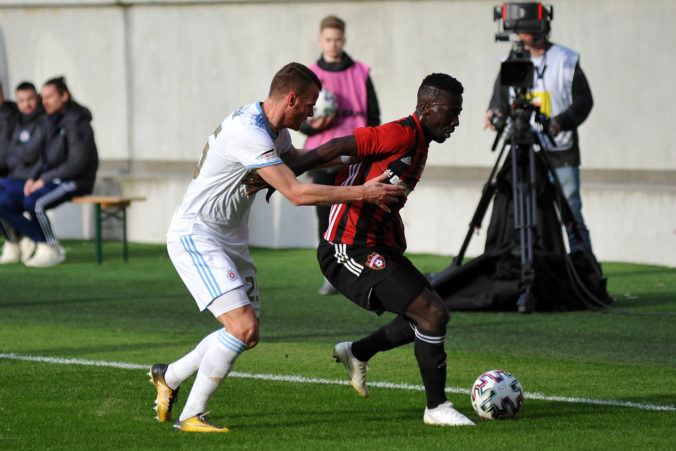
(209, 271)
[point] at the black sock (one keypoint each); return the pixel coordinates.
(431, 356)
(393, 334)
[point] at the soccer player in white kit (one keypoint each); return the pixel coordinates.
(208, 235)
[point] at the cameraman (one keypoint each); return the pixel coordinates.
(564, 95)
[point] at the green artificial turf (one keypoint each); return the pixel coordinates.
(592, 380)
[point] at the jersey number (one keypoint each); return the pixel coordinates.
(252, 289)
(204, 153)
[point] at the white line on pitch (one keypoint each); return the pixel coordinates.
(313, 380)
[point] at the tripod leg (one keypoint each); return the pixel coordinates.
(486, 197)
(524, 189)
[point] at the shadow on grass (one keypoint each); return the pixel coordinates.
(76, 352)
(90, 300)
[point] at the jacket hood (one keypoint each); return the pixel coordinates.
(77, 113)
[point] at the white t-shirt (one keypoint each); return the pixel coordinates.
(216, 203)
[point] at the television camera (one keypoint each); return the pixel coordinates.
(517, 70)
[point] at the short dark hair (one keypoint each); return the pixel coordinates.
(26, 86)
(438, 81)
(293, 77)
(332, 22)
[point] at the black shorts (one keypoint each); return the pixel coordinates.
(378, 280)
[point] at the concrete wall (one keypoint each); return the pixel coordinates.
(158, 77)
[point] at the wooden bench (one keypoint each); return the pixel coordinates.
(109, 207)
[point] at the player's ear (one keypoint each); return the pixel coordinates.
(424, 108)
(291, 99)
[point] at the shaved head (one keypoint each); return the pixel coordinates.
(294, 77)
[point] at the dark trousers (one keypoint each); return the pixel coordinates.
(13, 204)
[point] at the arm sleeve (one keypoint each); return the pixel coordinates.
(256, 150)
(499, 98)
(582, 104)
(384, 139)
(372, 106)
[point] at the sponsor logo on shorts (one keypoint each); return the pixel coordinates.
(375, 261)
(232, 275)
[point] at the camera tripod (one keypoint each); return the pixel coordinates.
(527, 164)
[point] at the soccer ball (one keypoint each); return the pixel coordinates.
(326, 104)
(497, 394)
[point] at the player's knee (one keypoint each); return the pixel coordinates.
(249, 336)
(245, 331)
(252, 341)
(437, 314)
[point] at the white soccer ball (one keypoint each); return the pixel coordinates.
(326, 104)
(497, 394)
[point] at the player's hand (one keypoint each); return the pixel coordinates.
(381, 194)
(254, 183)
(321, 123)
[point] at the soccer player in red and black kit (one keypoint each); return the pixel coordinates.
(363, 247)
(362, 251)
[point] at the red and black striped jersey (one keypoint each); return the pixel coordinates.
(398, 147)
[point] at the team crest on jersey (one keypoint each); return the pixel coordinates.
(24, 136)
(267, 156)
(375, 261)
(232, 275)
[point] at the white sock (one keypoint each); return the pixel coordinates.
(214, 367)
(186, 366)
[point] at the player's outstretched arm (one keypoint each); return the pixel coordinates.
(283, 180)
(328, 154)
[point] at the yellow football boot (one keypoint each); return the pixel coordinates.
(198, 423)
(165, 394)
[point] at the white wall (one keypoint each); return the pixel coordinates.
(158, 77)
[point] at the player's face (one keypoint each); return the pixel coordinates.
(441, 118)
(27, 100)
(332, 40)
(303, 107)
(52, 100)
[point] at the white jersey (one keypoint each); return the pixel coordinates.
(216, 200)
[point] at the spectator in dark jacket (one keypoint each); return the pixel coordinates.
(68, 169)
(25, 146)
(8, 115)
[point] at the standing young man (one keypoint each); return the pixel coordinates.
(362, 252)
(208, 235)
(358, 106)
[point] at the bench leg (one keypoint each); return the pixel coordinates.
(97, 219)
(124, 234)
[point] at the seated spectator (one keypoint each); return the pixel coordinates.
(24, 156)
(8, 113)
(68, 169)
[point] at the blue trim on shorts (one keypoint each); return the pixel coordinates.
(201, 266)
